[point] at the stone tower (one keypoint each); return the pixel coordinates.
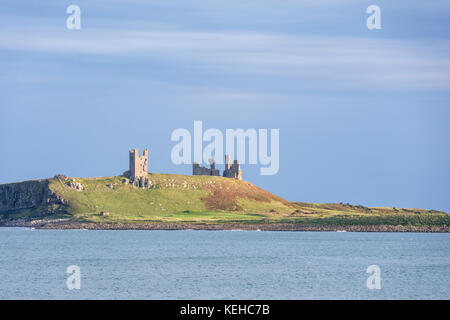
(227, 162)
(139, 168)
(232, 170)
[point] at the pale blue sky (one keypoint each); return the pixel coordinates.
(363, 114)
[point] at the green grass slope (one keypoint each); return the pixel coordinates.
(171, 198)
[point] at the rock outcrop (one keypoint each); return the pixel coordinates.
(26, 195)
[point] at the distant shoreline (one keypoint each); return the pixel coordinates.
(67, 225)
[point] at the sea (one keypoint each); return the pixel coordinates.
(188, 264)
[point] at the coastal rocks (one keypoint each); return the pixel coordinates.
(53, 198)
(141, 182)
(75, 185)
(70, 182)
(240, 226)
(40, 223)
(61, 177)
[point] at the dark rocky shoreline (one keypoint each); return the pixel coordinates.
(63, 224)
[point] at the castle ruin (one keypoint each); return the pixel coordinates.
(231, 170)
(138, 172)
(198, 170)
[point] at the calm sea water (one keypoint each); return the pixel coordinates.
(222, 264)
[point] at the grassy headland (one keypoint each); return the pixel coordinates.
(180, 200)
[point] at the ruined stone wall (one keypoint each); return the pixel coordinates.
(198, 170)
(231, 170)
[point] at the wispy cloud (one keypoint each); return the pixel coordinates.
(351, 60)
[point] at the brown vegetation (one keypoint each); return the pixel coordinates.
(225, 196)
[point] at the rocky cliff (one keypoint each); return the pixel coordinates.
(27, 195)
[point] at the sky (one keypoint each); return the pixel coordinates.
(364, 115)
